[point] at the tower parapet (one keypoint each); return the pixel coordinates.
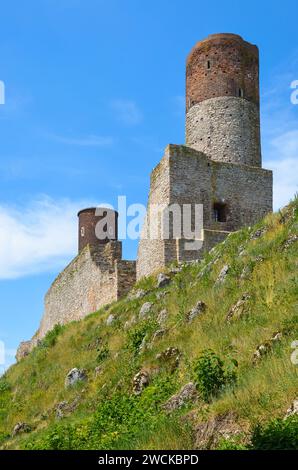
(97, 226)
(222, 99)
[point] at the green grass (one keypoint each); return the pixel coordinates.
(107, 415)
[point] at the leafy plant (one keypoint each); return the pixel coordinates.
(212, 375)
(279, 434)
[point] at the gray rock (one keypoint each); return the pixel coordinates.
(163, 280)
(292, 239)
(136, 294)
(129, 323)
(261, 351)
(209, 433)
(97, 371)
(21, 428)
(187, 393)
(238, 309)
(293, 410)
(145, 309)
(24, 350)
(223, 274)
(158, 334)
(246, 272)
(143, 344)
(276, 336)
(74, 376)
(170, 358)
(162, 317)
(162, 294)
(61, 408)
(140, 381)
(258, 233)
(198, 309)
(111, 318)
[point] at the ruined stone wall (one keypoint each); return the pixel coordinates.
(96, 277)
(151, 253)
(83, 287)
(193, 178)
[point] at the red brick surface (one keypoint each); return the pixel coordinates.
(222, 65)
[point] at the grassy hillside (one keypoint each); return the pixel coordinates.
(248, 288)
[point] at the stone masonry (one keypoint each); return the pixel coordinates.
(219, 170)
(220, 165)
(96, 277)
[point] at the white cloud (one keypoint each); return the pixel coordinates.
(9, 359)
(127, 112)
(88, 141)
(41, 237)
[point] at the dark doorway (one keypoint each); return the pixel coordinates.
(220, 212)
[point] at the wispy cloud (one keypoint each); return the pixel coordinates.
(87, 141)
(127, 112)
(38, 238)
(9, 359)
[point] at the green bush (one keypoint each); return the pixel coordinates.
(212, 375)
(4, 386)
(279, 434)
(136, 336)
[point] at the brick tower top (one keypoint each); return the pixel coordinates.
(222, 65)
(97, 226)
(222, 100)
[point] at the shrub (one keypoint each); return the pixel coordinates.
(136, 336)
(4, 386)
(279, 434)
(212, 375)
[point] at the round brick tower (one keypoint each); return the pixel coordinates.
(97, 226)
(222, 99)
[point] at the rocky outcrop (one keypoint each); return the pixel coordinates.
(264, 348)
(140, 381)
(239, 308)
(163, 280)
(188, 393)
(197, 310)
(21, 428)
(170, 358)
(209, 433)
(293, 410)
(145, 309)
(74, 376)
(222, 275)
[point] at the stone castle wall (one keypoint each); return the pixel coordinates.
(193, 178)
(226, 129)
(96, 277)
(222, 99)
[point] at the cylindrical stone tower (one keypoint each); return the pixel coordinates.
(222, 99)
(97, 226)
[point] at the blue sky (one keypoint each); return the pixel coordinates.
(94, 92)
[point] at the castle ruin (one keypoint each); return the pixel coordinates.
(219, 168)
